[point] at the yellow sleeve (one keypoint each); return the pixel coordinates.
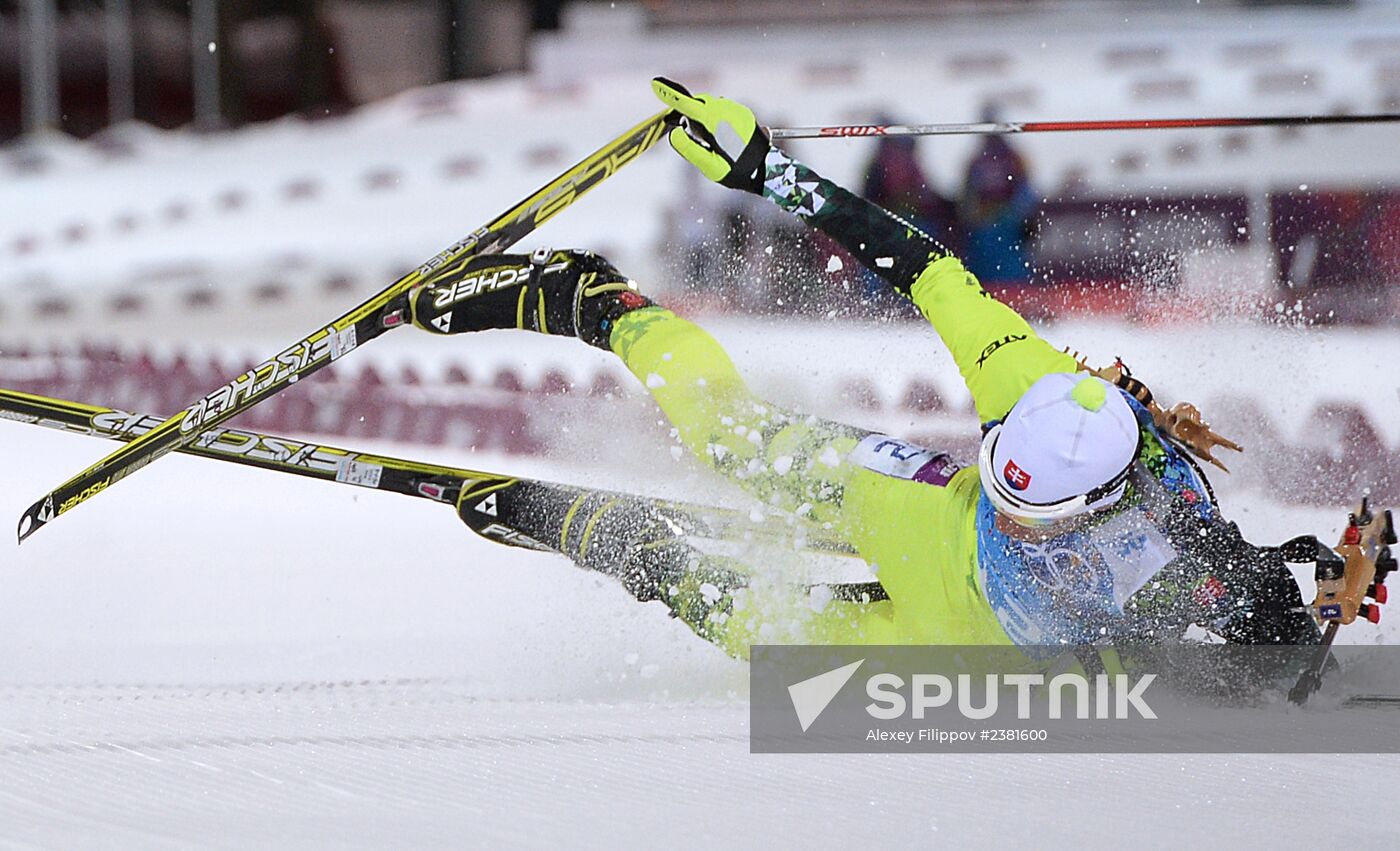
(783, 458)
(998, 354)
(921, 541)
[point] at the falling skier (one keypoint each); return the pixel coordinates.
(1084, 520)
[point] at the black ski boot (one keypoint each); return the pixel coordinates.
(570, 293)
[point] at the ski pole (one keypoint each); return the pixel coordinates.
(994, 128)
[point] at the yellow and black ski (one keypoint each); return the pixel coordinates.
(382, 312)
(591, 527)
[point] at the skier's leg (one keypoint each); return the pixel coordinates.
(722, 600)
(791, 460)
(927, 567)
(795, 461)
(641, 543)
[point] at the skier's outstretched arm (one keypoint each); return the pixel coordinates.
(996, 351)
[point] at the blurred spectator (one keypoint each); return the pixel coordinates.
(764, 264)
(735, 251)
(1338, 251)
(998, 209)
(1384, 240)
(895, 180)
(693, 225)
(722, 236)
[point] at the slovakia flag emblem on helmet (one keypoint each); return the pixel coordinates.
(1017, 478)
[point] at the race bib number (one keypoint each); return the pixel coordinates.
(900, 459)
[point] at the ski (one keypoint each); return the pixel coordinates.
(509, 510)
(380, 313)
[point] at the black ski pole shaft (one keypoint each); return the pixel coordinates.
(1311, 679)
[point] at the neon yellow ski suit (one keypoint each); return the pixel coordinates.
(919, 538)
(951, 575)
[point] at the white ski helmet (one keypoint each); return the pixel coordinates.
(1065, 448)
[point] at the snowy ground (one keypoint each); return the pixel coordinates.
(274, 662)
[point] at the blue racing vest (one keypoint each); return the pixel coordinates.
(1072, 589)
